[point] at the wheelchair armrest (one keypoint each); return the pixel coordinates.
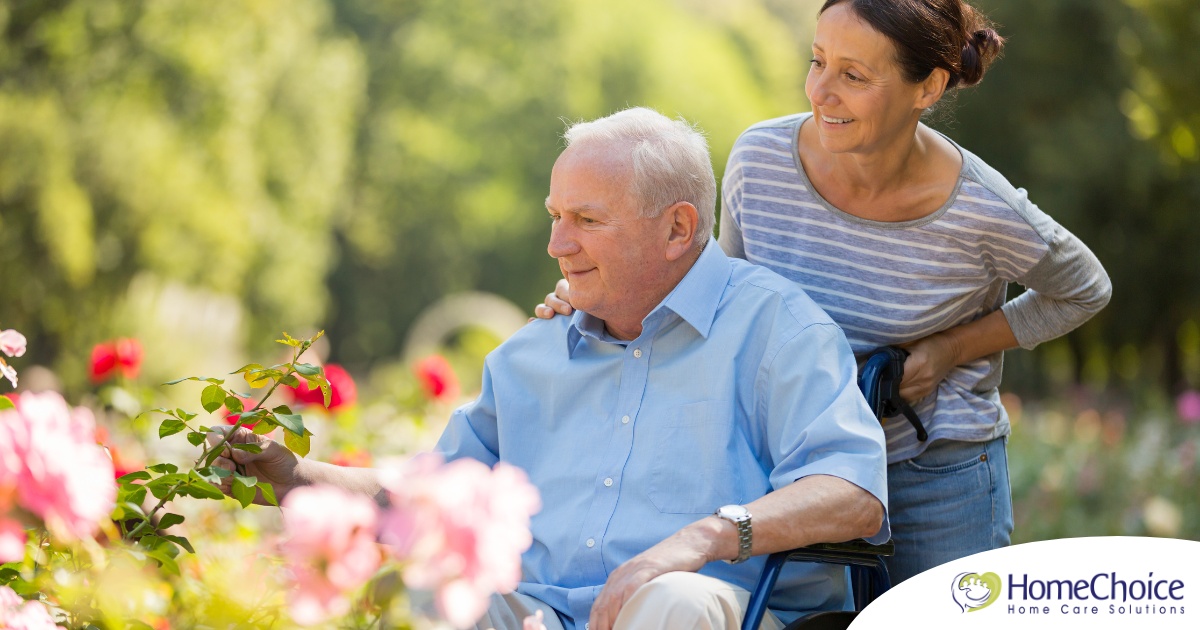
(850, 553)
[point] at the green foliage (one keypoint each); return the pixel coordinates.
(465, 110)
(186, 142)
(165, 481)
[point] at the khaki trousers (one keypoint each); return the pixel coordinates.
(680, 600)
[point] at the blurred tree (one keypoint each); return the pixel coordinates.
(204, 144)
(1053, 117)
(466, 108)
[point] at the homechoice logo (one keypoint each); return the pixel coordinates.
(1093, 595)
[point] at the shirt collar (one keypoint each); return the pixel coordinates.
(694, 299)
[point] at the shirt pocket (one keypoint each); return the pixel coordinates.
(697, 462)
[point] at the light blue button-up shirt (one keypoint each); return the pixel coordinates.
(738, 385)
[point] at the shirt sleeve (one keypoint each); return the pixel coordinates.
(818, 421)
(472, 430)
(1064, 289)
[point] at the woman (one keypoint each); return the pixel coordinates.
(907, 239)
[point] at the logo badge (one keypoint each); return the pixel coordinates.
(972, 591)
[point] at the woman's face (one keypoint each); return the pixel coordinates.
(861, 102)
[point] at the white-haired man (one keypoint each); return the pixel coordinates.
(695, 412)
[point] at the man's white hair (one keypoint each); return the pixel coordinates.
(669, 157)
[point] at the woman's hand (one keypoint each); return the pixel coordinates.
(558, 302)
(929, 360)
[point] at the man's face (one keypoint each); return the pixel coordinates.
(613, 257)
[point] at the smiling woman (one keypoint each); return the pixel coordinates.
(907, 239)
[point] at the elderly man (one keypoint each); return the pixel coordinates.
(695, 412)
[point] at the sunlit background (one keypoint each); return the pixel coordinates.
(200, 176)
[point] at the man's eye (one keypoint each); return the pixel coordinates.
(853, 77)
(587, 219)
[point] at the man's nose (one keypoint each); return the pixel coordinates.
(562, 241)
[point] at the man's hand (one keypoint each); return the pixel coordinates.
(275, 464)
(557, 302)
(689, 549)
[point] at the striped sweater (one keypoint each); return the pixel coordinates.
(887, 283)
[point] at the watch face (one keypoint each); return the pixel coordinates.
(733, 512)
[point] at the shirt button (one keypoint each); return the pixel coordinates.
(608, 482)
(625, 420)
(591, 542)
(637, 353)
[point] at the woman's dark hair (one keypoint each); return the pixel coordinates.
(932, 34)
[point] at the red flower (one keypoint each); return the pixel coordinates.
(108, 357)
(437, 378)
(351, 457)
(104, 362)
(342, 391)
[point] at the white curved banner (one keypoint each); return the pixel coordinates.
(1095, 583)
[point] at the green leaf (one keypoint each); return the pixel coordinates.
(258, 378)
(290, 380)
(282, 409)
(180, 380)
(131, 493)
(244, 495)
(248, 367)
(293, 422)
(249, 448)
(196, 438)
(6, 403)
(202, 489)
(161, 487)
(164, 469)
(128, 509)
(170, 426)
(268, 493)
(139, 475)
(288, 340)
(245, 480)
(169, 520)
(306, 369)
(181, 541)
(326, 392)
(8, 574)
(298, 444)
(183, 415)
(168, 563)
(212, 398)
(263, 428)
(233, 404)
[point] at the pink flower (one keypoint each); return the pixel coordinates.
(535, 621)
(437, 378)
(50, 462)
(12, 540)
(342, 391)
(1188, 406)
(460, 528)
(12, 343)
(18, 614)
(330, 550)
(7, 371)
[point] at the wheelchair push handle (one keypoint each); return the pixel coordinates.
(879, 379)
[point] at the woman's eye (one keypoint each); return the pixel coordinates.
(816, 63)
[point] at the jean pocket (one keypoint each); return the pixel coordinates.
(950, 457)
(696, 470)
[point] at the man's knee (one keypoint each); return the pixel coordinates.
(684, 600)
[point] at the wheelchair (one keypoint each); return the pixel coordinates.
(879, 380)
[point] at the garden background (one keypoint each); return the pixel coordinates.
(199, 176)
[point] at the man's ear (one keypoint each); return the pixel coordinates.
(683, 219)
(931, 89)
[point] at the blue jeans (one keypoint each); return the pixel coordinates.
(951, 501)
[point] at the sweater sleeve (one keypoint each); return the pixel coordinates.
(730, 233)
(1064, 289)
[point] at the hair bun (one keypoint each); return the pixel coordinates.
(982, 48)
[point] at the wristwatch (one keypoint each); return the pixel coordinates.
(740, 517)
